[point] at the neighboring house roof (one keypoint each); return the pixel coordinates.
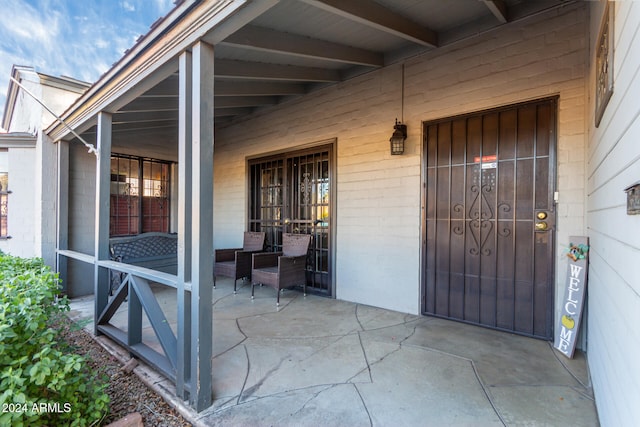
(17, 140)
(21, 72)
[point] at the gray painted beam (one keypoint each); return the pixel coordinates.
(247, 88)
(268, 40)
(129, 128)
(62, 219)
(263, 71)
(244, 101)
(202, 226)
(184, 224)
(167, 279)
(142, 351)
(227, 112)
(159, 103)
(375, 15)
(103, 190)
(498, 8)
(145, 116)
(134, 313)
(116, 301)
(157, 318)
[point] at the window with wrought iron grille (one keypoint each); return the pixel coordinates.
(140, 195)
(4, 194)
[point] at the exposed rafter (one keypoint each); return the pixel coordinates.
(160, 103)
(244, 101)
(263, 71)
(144, 117)
(225, 112)
(263, 39)
(245, 88)
(373, 14)
(498, 8)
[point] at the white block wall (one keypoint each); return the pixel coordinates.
(33, 172)
(378, 202)
(82, 202)
(21, 203)
(614, 276)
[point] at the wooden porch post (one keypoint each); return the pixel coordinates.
(62, 212)
(200, 217)
(103, 178)
(184, 224)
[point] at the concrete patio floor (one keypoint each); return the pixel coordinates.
(321, 362)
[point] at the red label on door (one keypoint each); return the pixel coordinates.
(485, 159)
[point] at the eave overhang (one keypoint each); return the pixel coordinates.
(155, 57)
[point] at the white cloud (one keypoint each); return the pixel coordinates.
(128, 6)
(164, 5)
(72, 38)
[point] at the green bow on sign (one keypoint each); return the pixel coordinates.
(576, 252)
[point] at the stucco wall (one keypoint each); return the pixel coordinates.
(614, 277)
(378, 195)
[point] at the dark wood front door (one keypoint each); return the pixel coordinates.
(291, 193)
(490, 218)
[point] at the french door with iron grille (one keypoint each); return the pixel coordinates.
(490, 218)
(292, 194)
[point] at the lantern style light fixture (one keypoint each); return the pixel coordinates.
(398, 137)
(399, 130)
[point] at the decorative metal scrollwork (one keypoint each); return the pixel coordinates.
(481, 219)
(305, 188)
(480, 212)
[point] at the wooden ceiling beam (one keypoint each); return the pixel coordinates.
(225, 112)
(498, 8)
(248, 88)
(244, 101)
(375, 15)
(263, 71)
(268, 40)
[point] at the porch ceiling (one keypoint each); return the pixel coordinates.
(298, 46)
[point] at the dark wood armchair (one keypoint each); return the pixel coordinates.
(281, 270)
(236, 263)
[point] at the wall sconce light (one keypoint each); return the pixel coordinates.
(398, 137)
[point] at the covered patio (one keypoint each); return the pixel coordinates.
(318, 361)
(275, 116)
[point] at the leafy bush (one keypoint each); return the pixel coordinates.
(40, 382)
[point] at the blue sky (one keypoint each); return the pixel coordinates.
(76, 38)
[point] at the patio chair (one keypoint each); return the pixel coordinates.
(236, 263)
(281, 270)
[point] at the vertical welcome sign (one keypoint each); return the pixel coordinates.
(575, 284)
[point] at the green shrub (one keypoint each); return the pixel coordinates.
(40, 382)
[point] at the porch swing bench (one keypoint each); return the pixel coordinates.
(154, 250)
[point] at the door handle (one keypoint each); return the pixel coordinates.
(541, 226)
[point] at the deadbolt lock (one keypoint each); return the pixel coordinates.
(541, 226)
(541, 215)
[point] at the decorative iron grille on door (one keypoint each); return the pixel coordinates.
(292, 194)
(490, 218)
